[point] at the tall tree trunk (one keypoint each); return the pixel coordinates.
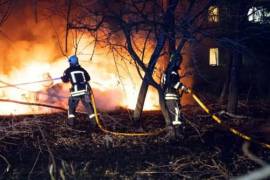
(225, 88)
(169, 27)
(147, 77)
(237, 25)
(141, 100)
(163, 107)
(234, 83)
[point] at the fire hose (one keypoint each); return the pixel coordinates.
(27, 83)
(131, 134)
(219, 121)
(153, 133)
(201, 104)
(98, 121)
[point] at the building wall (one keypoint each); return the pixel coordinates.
(255, 68)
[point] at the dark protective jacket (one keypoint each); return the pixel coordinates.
(172, 85)
(79, 78)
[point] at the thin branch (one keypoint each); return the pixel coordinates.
(86, 27)
(34, 165)
(49, 151)
(35, 12)
(33, 104)
(67, 24)
(8, 164)
(94, 47)
(251, 156)
(145, 43)
(133, 54)
(260, 174)
(58, 39)
(7, 12)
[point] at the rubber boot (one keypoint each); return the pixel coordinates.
(178, 132)
(92, 121)
(170, 133)
(71, 122)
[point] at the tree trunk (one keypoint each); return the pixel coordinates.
(239, 9)
(234, 83)
(140, 103)
(140, 100)
(163, 107)
(169, 27)
(148, 76)
(225, 88)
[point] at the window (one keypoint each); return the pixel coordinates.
(258, 15)
(213, 14)
(213, 57)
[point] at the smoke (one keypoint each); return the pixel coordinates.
(24, 41)
(30, 51)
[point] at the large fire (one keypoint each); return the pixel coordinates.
(112, 88)
(30, 52)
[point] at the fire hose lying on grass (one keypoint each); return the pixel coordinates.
(133, 134)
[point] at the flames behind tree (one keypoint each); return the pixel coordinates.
(30, 52)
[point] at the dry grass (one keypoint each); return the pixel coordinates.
(42, 146)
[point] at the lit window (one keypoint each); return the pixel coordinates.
(258, 15)
(213, 14)
(213, 57)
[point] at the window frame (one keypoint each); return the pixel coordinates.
(214, 59)
(213, 14)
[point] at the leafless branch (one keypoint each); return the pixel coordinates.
(53, 167)
(251, 156)
(260, 174)
(6, 8)
(8, 164)
(67, 24)
(58, 39)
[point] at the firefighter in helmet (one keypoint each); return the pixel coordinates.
(173, 90)
(80, 90)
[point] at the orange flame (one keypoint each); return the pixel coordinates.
(113, 88)
(31, 53)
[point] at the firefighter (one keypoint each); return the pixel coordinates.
(80, 90)
(173, 90)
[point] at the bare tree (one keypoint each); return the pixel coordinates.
(238, 36)
(5, 9)
(134, 27)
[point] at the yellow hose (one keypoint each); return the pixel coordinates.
(219, 121)
(155, 133)
(130, 134)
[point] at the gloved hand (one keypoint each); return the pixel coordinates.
(184, 89)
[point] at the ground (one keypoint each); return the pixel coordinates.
(43, 147)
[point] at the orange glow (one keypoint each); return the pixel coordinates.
(112, 90)
(120, 80)
(31, 52)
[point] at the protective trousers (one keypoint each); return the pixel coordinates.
(73, 103)
(173, 107)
